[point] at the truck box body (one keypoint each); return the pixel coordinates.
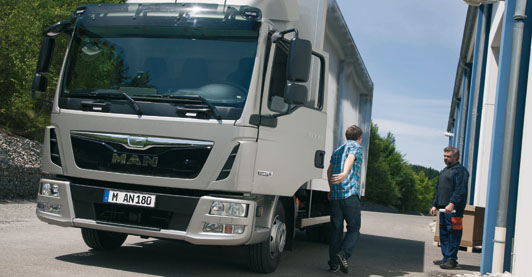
(193, 121)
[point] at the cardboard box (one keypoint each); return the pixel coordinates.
(473, 224)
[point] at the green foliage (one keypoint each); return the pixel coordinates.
(22, 24)
(425, 188)
(380, 185)
(391, 180)
(430, 172)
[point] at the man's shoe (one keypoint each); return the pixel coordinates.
(449, 264)
(438, 262)
(342, 261)
(334, 267)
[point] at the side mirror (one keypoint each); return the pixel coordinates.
(40, 82)
(295, 94)
(45, 55)
(57, 28)
(39, 85)
(299, 58)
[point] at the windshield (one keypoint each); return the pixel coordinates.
(163, 51)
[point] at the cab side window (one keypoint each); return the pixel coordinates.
(278, 81)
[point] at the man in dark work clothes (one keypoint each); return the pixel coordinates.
(450, 199)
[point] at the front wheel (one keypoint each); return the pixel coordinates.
(102, 240)
(264, 257)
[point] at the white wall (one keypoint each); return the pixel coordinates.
(523, 239)
(344, 108)
(332, 95)
(488, 107)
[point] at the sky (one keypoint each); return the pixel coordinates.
(411, 50)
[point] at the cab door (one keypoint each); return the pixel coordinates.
(292, 127)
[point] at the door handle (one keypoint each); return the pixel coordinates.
(319, 159)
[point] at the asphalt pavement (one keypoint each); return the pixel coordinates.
(390, 245)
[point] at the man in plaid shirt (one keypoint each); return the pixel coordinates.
(344, 183)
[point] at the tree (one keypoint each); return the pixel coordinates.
(22, 24)
(425, 188)
(393, 181)
(430, 172)
(381, 186)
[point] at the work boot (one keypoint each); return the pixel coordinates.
(342, 261)
(449, 264)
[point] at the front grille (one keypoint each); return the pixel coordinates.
(172, 212)
(130, 215)
(111, 153)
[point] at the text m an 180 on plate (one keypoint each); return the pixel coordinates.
(129, 198)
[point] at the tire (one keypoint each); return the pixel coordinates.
(102, 240)
(264, 257)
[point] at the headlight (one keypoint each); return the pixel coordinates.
(237, 209)
(217, 208)
(213, 228)
(223, 228)
(49, 208)
(238, 229)
(48, 189)
(228, 209)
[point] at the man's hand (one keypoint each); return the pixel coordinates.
(329, 196)
(449, 209)
(338, 178)
(433, 211)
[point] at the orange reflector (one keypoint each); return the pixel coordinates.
(457, 223)
(228, 229)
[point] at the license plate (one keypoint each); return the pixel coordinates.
(129, 198)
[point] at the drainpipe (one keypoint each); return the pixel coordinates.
(509, 126)
(464, 103)
(476, 95)
(469, 30)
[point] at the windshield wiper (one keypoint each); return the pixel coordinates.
(133, 102)
(195, 98)
(103, 95)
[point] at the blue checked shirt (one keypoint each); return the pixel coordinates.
(351, 184)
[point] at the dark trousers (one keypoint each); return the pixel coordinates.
(450, 235)
(349, 210)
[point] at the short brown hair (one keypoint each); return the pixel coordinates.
(353, 132)
(453, 150)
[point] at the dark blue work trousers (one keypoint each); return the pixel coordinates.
(450, 235)
(349, 210)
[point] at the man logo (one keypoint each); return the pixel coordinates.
(137, 142)
(138, 160)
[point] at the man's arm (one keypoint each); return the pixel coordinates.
(338, 178)
(434, 210)
(329, 176)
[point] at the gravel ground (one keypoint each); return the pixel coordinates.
(20, 162)
(19, 151)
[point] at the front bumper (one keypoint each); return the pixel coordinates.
(184, 217)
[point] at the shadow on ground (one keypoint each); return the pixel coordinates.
(374, 255)
(386, 256)
(166, 258)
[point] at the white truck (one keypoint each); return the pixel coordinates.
(207, 121)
